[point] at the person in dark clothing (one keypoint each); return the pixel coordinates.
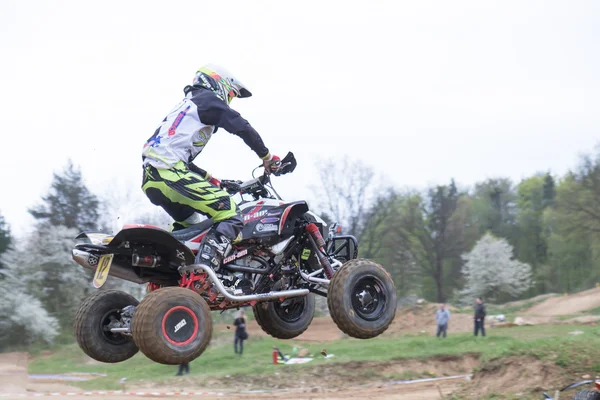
(479, 317)
(183, 367)
(240, 333)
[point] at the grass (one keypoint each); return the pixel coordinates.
(593, 311)
(576, 353)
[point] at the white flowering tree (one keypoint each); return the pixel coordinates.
(49, 273)
(490, 270)
(23, 318)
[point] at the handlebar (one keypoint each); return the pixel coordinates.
(257, 186)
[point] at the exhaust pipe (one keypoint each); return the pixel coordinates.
(82, 258)
(243, 298)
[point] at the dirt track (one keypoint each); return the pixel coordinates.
(566, 305)
(418, 319)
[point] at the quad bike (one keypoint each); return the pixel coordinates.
(287, 255)
(582, 394)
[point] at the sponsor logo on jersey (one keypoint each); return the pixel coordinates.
(153, 142)
(269, 220)
(177, 121)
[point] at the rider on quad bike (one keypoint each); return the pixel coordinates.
(172, 181)
(281, 254)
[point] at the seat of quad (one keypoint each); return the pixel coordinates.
(192, 231)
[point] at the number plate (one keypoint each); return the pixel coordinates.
(102, 270)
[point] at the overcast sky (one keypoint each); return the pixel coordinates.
(423, 91)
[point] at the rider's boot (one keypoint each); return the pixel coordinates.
(214, 247)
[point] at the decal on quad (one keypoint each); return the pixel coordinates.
(232, 257)
(269, 220)
(255, 216)
(101, 274)
(266, 227)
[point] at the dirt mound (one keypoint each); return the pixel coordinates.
(565, 305)
(321, 329)
(436, 367)
(13, 372)
(513, 375)
(333, 376)
(421, 318)
(14, 378)
(527, 302)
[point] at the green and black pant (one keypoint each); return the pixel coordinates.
(181, 193)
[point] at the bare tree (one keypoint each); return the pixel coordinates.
(125, 203)
(347, 191)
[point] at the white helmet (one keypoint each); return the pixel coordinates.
(228, 86)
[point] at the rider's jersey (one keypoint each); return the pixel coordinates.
(189, 126)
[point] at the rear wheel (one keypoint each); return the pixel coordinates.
(362, 299)
(92, 326)
(285, 319)
(587, 395)
(172, 325)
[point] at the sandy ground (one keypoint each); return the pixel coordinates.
(566, 305)
(422, 391)
(414, 320)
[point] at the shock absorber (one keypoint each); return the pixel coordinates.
(315, 234)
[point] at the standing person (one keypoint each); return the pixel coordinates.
(442, 316)
(479, 316)
(182, 367)
(240, 332)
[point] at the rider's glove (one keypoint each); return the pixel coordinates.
(213, 181)
(204, 174)
(271, 163)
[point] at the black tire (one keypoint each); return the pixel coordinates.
(362, 299)
(587, 395)
(172, 325)
(287, 319)
(89, 327)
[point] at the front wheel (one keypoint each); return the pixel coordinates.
(285, 319)
(172, 325)
(587, 395)
(93, 322)
(362, 299)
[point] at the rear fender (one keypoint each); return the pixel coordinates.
(95, 238)
(166, 245)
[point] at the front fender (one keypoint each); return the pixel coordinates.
(289, 216)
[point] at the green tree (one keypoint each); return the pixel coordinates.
(68, 208)
(494, 207)
(429, 235)
(68, 202)
(5, 237)
(531, 245)
(389, 240)
(573, 228)
(549, 190)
